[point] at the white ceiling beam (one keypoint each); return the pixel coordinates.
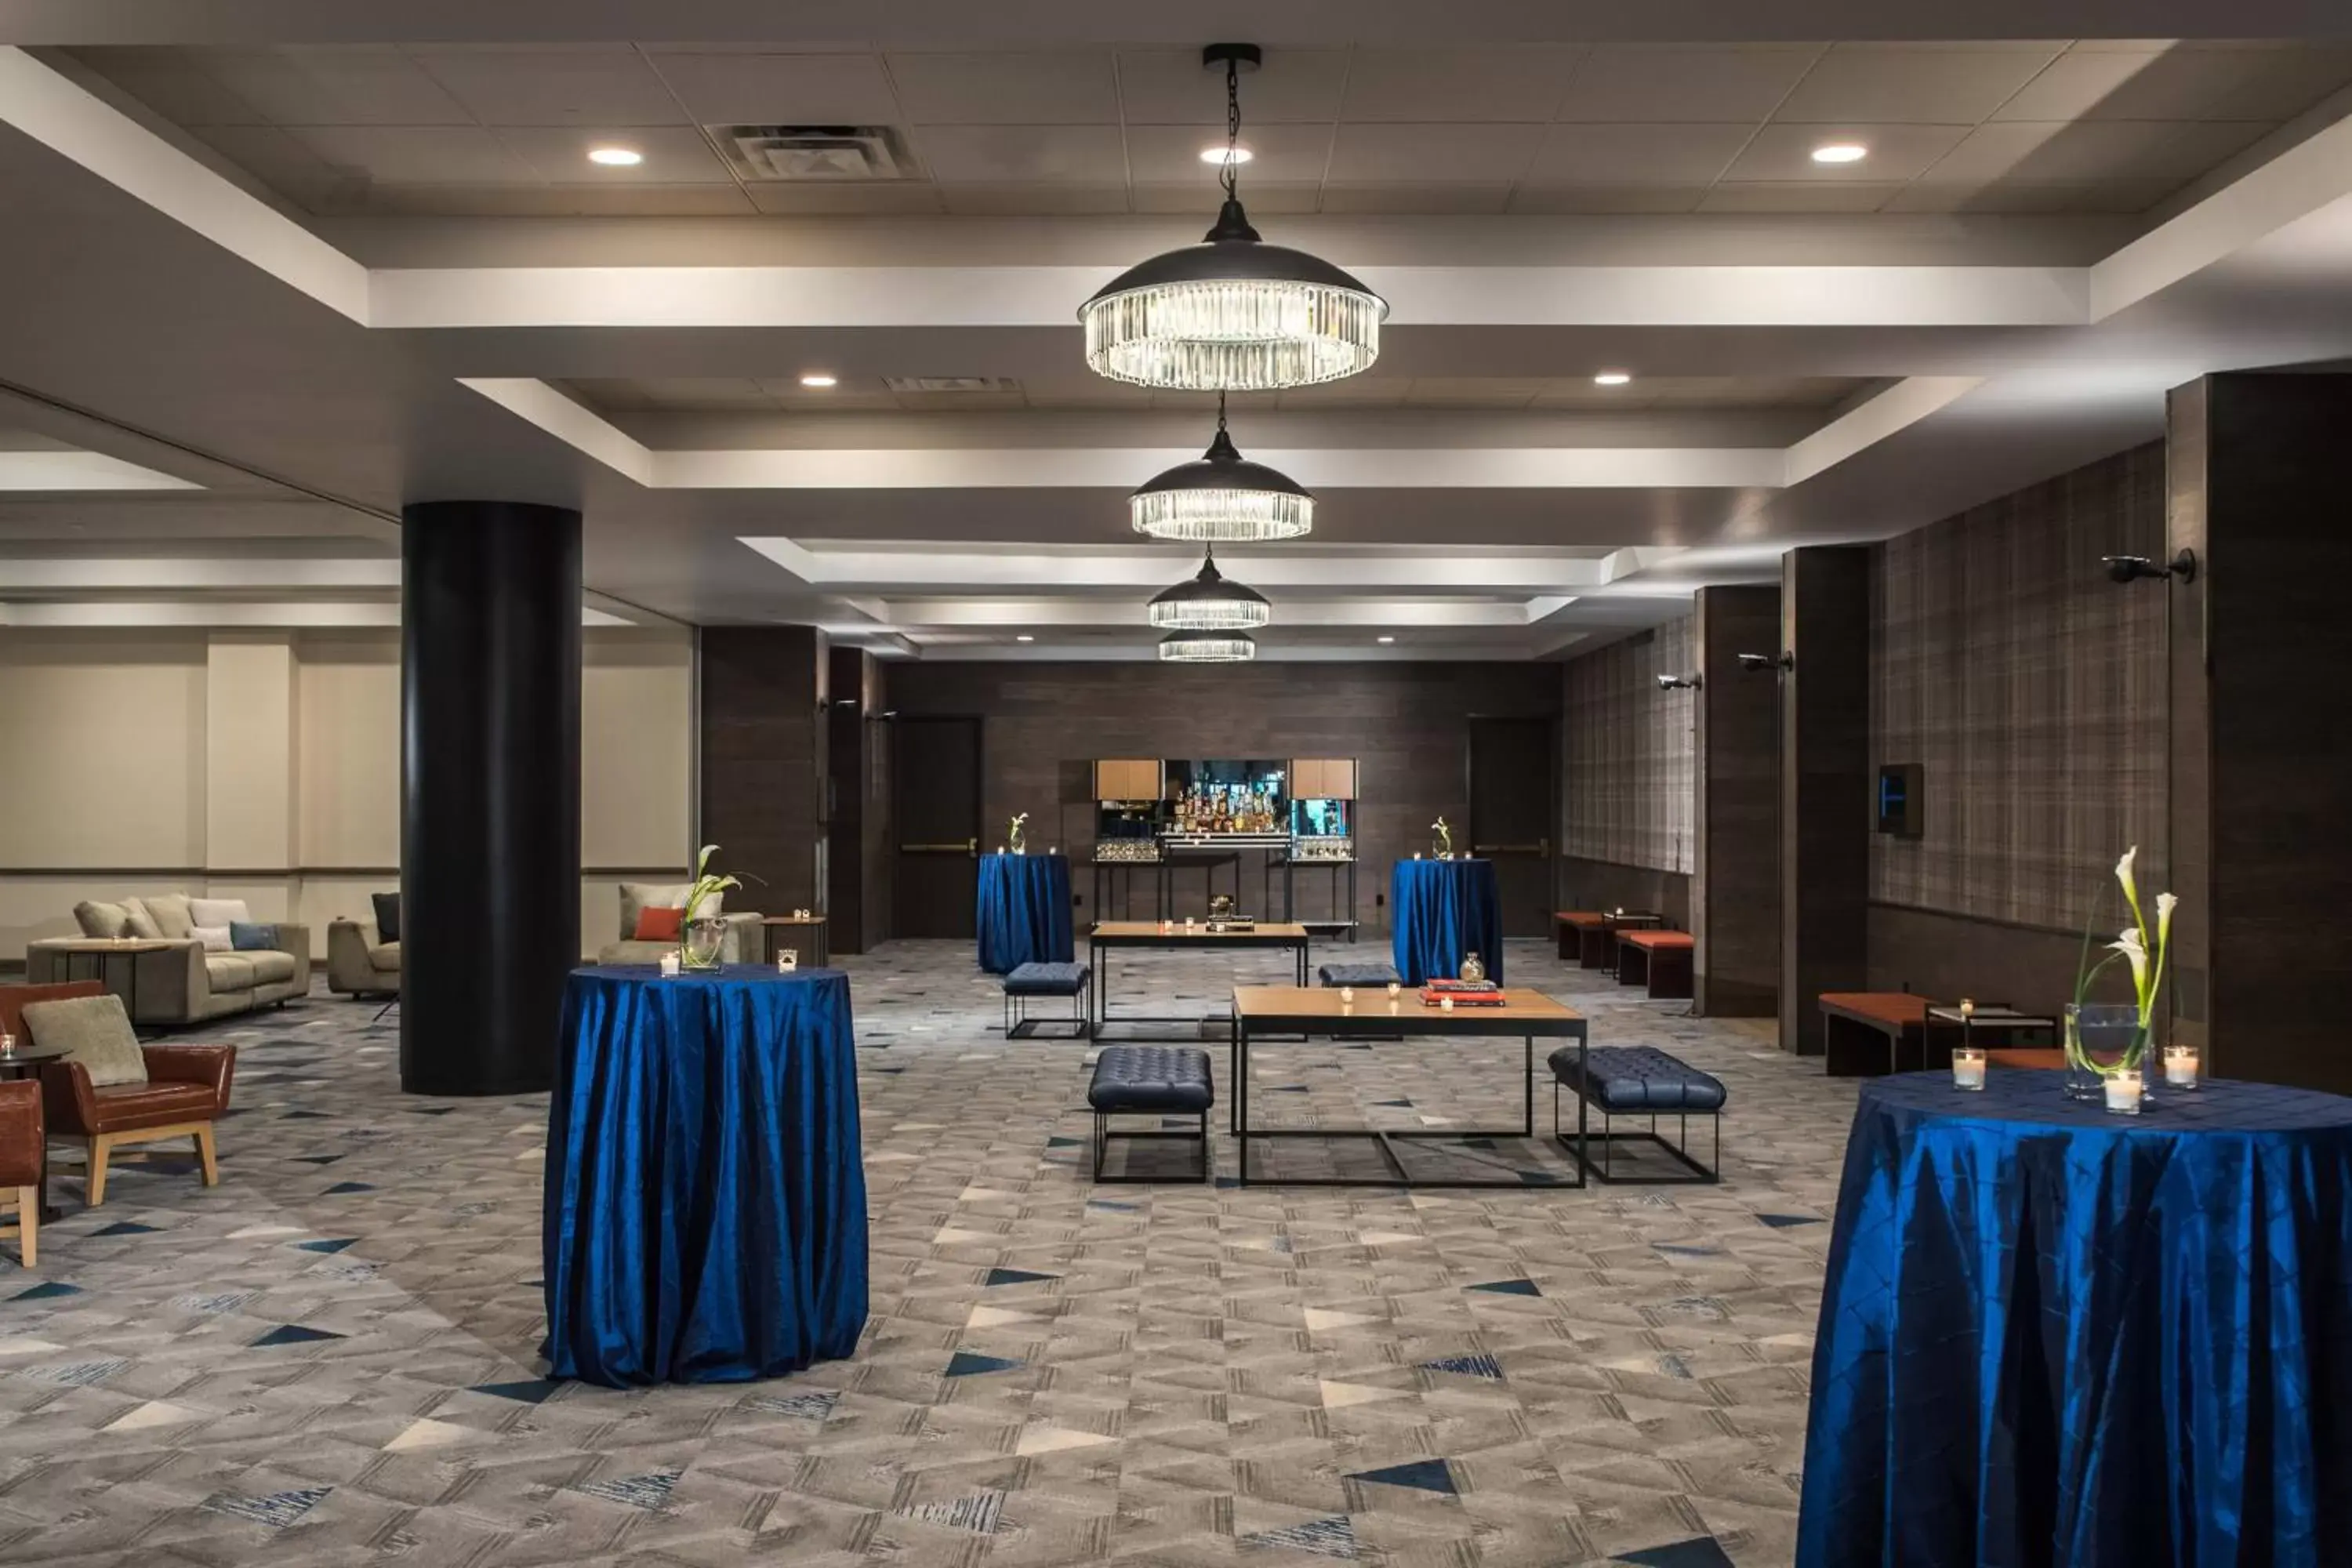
(115, 574)
(919, 614)
(1149, 569)
(63, 472)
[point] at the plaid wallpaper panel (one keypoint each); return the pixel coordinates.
(1626, 768)
(2031, 689)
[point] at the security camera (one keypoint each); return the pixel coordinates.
(1767, 662)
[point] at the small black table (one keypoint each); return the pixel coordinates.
(25, 1061)
(1107, 935)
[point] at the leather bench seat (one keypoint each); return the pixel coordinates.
(1046, 980)
(1365, 974)
(1151, 1078)
(1634, 1080)
(1658, 940)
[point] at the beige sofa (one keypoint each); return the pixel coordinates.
(357, 964)
(741, 944)
(177, 980)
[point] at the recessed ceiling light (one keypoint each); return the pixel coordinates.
(818, 378)
(1024, 636)
(1613, 378)
(616, 157)
(1220, 156)
(1387, 639)
(1839, 152)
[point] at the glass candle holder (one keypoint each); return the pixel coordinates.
(669, 965)
(2123, 1093)
(7, 1042)
(2181, 1066)
(788, 961)
(1347, 994)
(1968, 1067)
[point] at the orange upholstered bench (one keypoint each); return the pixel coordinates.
(1865, 1033)
(1587, 935)
(1661, 959)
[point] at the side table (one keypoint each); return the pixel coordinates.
(820, 930)
(25, 1061)
(102, 954)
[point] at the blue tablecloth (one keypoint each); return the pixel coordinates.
(704, 1215)
(1024, 911)
(2054, 1336)
(1440, 910)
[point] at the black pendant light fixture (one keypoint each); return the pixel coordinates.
(1221, 498)
(1232, 313)
(1207, 647)
(1210, 602)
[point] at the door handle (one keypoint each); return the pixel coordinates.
(968, 847)
(1541, 847)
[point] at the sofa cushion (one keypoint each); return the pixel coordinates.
(1622, 1078)
(634, 952)
(227, 971)
(1151, 1078)
(269, 967)
(173, 918)
(1046, 980)
(104, 922)
(213, 939)
(95, 1033)
(218, 912)
(252, 936)
(387, 916)
(385, 955)
(142, 921)
(638, 897)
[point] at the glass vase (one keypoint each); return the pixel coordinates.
(700, 942)
(2101, 1036)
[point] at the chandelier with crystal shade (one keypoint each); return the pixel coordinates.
(1232, 313)
(1209, 601)
(1221, 498)
(1207, 647)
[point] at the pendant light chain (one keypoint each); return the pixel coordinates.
(1230, 175)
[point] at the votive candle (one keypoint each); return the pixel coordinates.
(1445, 1003)
(787, 960)
(1395, 989)
(1968, 1068)
(1347, 993)
(2122, 1090)
(669, 965)
(2181, 1066)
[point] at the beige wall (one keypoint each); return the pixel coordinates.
(267, 767)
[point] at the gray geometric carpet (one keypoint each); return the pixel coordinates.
(332, 1357)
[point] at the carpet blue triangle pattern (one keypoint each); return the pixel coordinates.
(1055, 1372)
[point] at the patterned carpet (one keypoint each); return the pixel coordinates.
(330, 1358)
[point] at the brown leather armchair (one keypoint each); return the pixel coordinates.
(21, 1147)
(187, 1087)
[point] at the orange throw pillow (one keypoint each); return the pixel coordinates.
(660, 925)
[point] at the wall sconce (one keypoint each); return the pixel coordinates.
(1678, 683)
(2139, 568)
(1767, 662)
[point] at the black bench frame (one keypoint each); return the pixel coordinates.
(1019, 1025)
(1105, 1133)
(1701, 1175)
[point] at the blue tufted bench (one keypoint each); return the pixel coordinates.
(1639, 1080)
(1150, 1080)
(1034, 980)
(1371, 976)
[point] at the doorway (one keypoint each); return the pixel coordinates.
(936, 805)
(1514, 793)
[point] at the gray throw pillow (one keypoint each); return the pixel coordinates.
(247, 936)
(96, 1032)
(215, 939)
(104, 922)
(142, 924)
(172, 915)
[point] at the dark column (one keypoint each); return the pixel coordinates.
(764, 743)
(858, 886)
(2259, 470)
(1736, 887)
(489, 846)
(1825, 783)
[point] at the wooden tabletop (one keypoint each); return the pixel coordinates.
(1884, 1009)
(1138, 930)
(115, 944)
(794, 920)
(1523, 1011)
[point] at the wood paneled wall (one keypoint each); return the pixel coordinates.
(764, 746)
(1625, 754)
(1405, 723)
(1736, 890)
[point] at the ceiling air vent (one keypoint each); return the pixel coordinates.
(951, 383)
(769, 154)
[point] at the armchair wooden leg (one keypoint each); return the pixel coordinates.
(99, 1147)
(28, 1225)
(205, 1154)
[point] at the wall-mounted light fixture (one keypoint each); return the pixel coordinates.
(1678, 683)
(2139, 568)
(1784, 660)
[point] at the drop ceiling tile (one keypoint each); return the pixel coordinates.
(1033, 200)
(1635, 154)
(742, 89)
(958, 401)
(1012, 154)
(336, 86)
(1730, 85)
(674, 154)
(847, 198)
(1170, 154)
(274, 158)
(1472, 392)
(1904, 84)
(1357, 391)
(2026, 196)
(173, 82)
(694, 394)
(1416, 199)
(2091, 150)
(1066, 86)
(1440, 86)
(557, 87)
(2182, 83)
(417, 154)
(1192, 197)
(536, 201)
(1080, 392)
(1797, 196)
(1897, 152)
(1472, 155)
(1170, 87)
(1535, 198)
